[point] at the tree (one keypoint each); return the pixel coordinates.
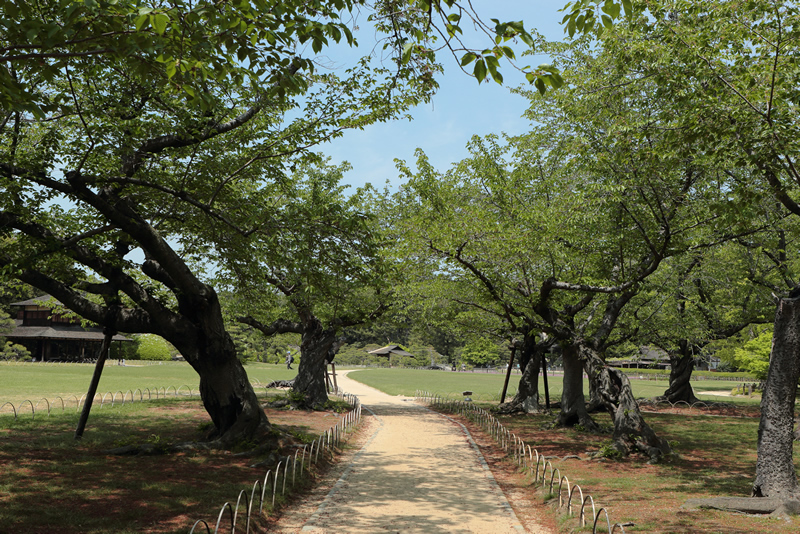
(480, 351)
(739, 108)
(706, 296)
(753, 356)
(321, 271)
(155, 129)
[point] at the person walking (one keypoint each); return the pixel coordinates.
(289, 359)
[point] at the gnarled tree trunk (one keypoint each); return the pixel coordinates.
(573, 402)
(775, 471)
(680, 376)
(631, 432)
(527, 398)
(314, 346)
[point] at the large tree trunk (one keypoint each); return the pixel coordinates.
(775, 470)
(225, 389)
(680, 376)
(527, 398)
(314, 346)
(229, 399)
(631, 432)
(573, 402)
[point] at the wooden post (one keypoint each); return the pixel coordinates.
(98, 370)
(546, 388)
(333, 373)
(327, 379)
(508, 374)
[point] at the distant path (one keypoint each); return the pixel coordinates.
(418, 472)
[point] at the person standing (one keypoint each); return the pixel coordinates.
(289, 359)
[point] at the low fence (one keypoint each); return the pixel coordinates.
(89, 361)
(529, 460)
(109, 397)
(719, 408)
(275, 481)
(63, 403)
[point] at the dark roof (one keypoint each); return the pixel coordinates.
(389, 350)
(64, 332)
(38, 301)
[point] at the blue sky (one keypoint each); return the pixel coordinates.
(459, 110)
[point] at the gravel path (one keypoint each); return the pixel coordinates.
(417, 472)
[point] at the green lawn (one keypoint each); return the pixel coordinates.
(34, 381)
(487, 387)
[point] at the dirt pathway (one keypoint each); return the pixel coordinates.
(417, 472)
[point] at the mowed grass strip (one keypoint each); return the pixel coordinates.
(35, 381)
(488, 386)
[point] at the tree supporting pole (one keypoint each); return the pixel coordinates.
(333, 374)
(98, 371)
(508, 375)
(327, 380)
(546, 387)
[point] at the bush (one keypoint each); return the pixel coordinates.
(153, 347)
(14, 351)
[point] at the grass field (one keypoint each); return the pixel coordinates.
(487, 387)
(34, 381)
(51, 479)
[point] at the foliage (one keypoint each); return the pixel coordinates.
(753, 356)
(15, 351)
(747, 351)
(6, 323)
(153, 347)
(480, 351)
(134, 139)
(251, 345)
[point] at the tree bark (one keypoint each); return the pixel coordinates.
(225, 389)
(680, 376)
(315, 343)
(527, 398)
(573, 402)
(775, 471)
(631, 432)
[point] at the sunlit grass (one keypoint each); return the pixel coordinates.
(488, 386)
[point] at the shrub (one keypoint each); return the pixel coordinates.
(153, 347)
(14, 351)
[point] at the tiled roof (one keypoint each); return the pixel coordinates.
(65, 332)
(389, 350)
(38, 301)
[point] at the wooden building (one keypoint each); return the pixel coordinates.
(388, 350)
(51, 336)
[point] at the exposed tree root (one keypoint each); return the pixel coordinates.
(524, 406)
(773, 506)
(281, 384)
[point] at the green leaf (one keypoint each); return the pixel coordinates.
(159, 23)
(467, 58)
(480, 70)
(406, 55)
(140, 22)
(626, 4)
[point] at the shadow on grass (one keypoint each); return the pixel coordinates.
(49, 479)
(717, 457)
